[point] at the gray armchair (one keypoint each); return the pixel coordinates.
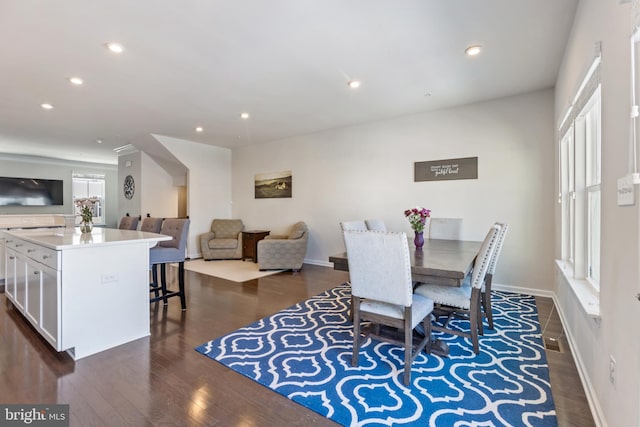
(284, 252)
(224, 241)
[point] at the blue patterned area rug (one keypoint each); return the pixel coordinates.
(304, 353)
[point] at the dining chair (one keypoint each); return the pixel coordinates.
(170, 251)
(128, 223)
(359, 225)
(485, 295)
(445, 228)
(375, 224)
(465, 298)
(353, 225)
(382, 292)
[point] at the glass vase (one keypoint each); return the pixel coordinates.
(418, 240)
(86, 227)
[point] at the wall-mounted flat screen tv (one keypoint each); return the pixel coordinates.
(30, 192)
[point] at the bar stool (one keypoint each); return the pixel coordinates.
(152, 225)
(128, 223)
(167, 252)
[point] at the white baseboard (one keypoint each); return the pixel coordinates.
(521, 290)
(592, 398)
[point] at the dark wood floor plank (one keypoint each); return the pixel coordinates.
(162, 381)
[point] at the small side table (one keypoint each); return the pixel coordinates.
(250, 241)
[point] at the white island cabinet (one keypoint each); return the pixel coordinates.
(84, 293)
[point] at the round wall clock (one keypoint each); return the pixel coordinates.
(129, 187)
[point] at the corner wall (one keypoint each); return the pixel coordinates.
(367, 171)
(208, 185)
(609, 22)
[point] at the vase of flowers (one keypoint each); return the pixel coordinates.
(417, 218)
(87, 219)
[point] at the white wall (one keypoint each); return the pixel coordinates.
(130, 164)
(607, 21)
(159, 196)
(367, 172)
(45, 168)
(208, 185)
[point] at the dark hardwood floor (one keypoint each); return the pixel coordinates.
(162, 381)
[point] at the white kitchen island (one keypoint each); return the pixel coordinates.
(84, 293)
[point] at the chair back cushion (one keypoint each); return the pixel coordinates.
(496, 253)
(227, 228)
(484, 256)
(379, 266)
(128, 223)
(353, 225)
(151, 225)
(178, 229)
(445, 228)
(375, 224)
(298, 230)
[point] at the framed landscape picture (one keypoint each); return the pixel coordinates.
(273, 185)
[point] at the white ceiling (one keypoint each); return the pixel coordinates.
(286, 62)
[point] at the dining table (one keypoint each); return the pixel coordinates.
(442, 262)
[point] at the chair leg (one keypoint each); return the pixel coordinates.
(479, 316)
(163, 282)
(355, 312)
(154, 285)
(408, 345)
(183, 300)
(486, 301)
(473, 319)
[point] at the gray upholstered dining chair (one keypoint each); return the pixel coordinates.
(465, 298)
(445, 228)
(485, 295)
(128, 223)
(170, 251)
(382, 292)
(375, 224)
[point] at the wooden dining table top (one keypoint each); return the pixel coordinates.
(445, 262)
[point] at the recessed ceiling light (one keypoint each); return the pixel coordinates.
(46, 106)
(76, 80)
(99, 140)
(115, 47)
(244, 116)
(199, 129)
(473, 50)
(354, 84)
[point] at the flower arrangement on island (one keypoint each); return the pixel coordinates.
(417, 218)
(87, 214)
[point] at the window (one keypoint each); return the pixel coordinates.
(89, 190)
(580, 181)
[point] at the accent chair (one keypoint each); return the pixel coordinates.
(224, 241)
(284, 252)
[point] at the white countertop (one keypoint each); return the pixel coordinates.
(72, 238)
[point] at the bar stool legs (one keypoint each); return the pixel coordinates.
(160, 290)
